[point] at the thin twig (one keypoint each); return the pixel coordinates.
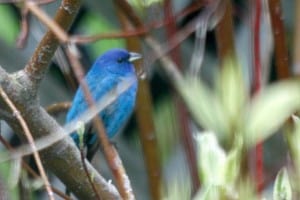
(182, 116)
(281, 51)
(138, 31)
(257, 80)
(57, 135)
(182, 34)
(56, 108)
(43, 17)
(111, 155)
(30, 170)
(225, 35)
(30, 140)
(158, 49)
(75, 64)
(102, 36)
(22, 38)
(88, 173)
(63, 154)
(22, 1)
(39, 62)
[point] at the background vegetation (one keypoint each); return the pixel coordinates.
(217, 108)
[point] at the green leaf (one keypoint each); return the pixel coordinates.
(144, 3)
(293, 138)
(245, 190)
(208, 193)
(178, 189)
(232, 165)
(9, 24)
(218, 171)
(80, 131)
(232, 92)
(9, 176)
(203, 105)
(165, 120)
(270, 109)
(282, 187)
(211, 158)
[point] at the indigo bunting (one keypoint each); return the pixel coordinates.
(106, 73)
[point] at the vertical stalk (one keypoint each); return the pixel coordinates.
(144, 117)
(225, 35)
(182, 116)
(296, 56)
(281, 51)
(257, 81)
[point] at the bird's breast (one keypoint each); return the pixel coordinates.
(116, 114)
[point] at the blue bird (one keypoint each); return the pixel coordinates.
(106, 73)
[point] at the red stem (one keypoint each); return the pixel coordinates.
(259, 162)
(181, 109)
(281, 49)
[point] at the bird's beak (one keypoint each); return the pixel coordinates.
(134, 56)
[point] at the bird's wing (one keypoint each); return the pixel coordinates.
(98, 87)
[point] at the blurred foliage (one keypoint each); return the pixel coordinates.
(228, 110)
(292, 136)
(282, 186)
(166, 127)
(139, 4)
(232, 120)
(9, 175)
(91, 24)
(178, 189)
(250, 120)
(218, 170)
(270, 109)
(10, 31)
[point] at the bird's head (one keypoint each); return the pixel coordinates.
(117, 61)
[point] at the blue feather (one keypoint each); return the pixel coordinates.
(105, 75)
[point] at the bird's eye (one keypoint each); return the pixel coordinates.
(120, 60)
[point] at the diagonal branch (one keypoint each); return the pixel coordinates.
(43, 17)
(111, 155)
(63, 157)
(30, 139)
(38, 64)
(57, 108)
(182, 115)
(21, 88)
(30, 170)
(194, 6)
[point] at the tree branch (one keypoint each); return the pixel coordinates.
(21, 88)
(30, 170)
(281, 50)
(29, 137)
(43, 17)
(144, 116)
(182, 114)
(38, 64)
(63, 156)
(57, 108)
(226, 47)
